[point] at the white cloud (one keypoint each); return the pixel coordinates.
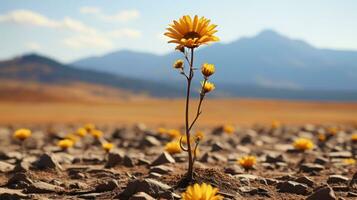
(34, 46)
(28, 17)
(89, 10)
(85, 41)
(125, 32)
(122, 16)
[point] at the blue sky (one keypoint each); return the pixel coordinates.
(72, 29)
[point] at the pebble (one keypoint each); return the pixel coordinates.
(325, 193)
(163, 158)
(293, 187)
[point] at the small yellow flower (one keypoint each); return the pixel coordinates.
(303, 144)
(349, 161)
(191, 33)
(107, 146)
(178, 64)
(174, 133)
(22, 134)
(173, 147)
(81, 132)
(228, 129)
(89, 127)
(201, 192)
(321, 137)
(65, 143)
(207, 87)
(162, 131)
(199, 135)
(247, 162)
(97, 133)
(207, 69)
(354, 137)
(72, 137)
(275, 124)
(332, 130)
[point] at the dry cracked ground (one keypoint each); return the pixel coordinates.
(138, 167)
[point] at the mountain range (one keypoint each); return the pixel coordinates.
(269, 60)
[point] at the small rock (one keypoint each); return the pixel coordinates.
(114, 158)
(249, 177)
(47, 161)
(292, 187)
(352, 194)
(325, 193)
(141, 196)
(150, 141)
(42, 187)
(154, 175)
(108, 185)
(335, 179)
(340, 154)
(22, 166)
(6, 167)
(233, 170)
(149, 186)
(163, 159)
(274, 158)
(217, 146)
(143, 161)
(311, 167)
(321, 160)
(11, 194)
(128, 162)
(161, 169)
(19, 180)
(305, 180)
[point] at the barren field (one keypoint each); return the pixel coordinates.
(170, 112)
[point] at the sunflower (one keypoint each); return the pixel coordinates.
(191, 33)
(201, 192)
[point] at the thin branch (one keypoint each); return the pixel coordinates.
(181, 145)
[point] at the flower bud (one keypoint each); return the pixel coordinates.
(178, 64)
(207, 87)
(207, 69)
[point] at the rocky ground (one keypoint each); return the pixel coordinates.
(139, 168)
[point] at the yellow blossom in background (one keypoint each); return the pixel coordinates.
(303, 144)
(174, 133)
(228, 129)
(207, 69)
(173, 147)
(349, 161)
(162, 131)
(97, 133)
(275, 124)
(321, 137)
(191, 33)
(81, 132)
(89, 127)
(178, 64)
(354, 137)
(247, 162)
(207, 86)
(199, 135)
(72, 137)
(201, 192)
(107, 146)
(65, 143)
(332, 130)
(22, 134)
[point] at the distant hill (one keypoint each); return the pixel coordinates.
(37, 70)
(268, 60)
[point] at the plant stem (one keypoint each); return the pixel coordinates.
(190, 158)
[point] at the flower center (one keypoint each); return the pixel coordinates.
(191, 35)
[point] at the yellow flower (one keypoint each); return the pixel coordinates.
(247, 162)
(332, 130)
(201, 192)
(354, 137)
(303, 144)
(321, 137)
(275, 124)
(72, 137)
(349, 161)
(207, 69)
(97, 133)
(107, 146)
(199, 135)
(162, 131)
(89, 127)
(65, 143)
(174, 133)
(228, 129)
(22, 134)
(207, 86)
(191, 33)
(173, 147)
(81, 132)
(178, 64)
